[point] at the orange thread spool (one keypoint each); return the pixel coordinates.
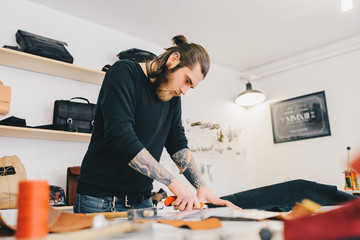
(33, 209)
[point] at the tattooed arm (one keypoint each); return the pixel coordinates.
(147, 165)
(187, 166)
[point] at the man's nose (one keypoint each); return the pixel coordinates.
(184, 89)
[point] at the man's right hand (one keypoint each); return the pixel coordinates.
(185, 199)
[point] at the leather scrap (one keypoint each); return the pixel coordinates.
(58, 222)
(209, 223)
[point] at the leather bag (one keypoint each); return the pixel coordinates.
(76, 115)
(5, 97)
(71, 184)
(137, 55)
(12, 171)
(43, 46)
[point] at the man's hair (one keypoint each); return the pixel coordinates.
(190, 55)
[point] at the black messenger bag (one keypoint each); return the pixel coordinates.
(137, 55)
(76, 114)
(43, 46)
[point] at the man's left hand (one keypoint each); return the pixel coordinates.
(205, 195)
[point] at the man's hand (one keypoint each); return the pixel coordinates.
(186, 164)
(205, 195)
(185, 199)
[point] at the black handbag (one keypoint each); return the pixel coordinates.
(77, 116)
(136, 55)
(42, 46)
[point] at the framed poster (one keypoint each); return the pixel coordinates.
(300, 118)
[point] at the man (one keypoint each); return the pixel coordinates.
(138, 113)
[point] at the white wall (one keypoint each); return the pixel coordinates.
(261, 163)
(319, 159)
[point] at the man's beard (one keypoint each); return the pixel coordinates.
(163, 92)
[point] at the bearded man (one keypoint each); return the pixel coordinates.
(138, 113)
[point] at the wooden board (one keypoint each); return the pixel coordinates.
(49, 66)
(36, 133)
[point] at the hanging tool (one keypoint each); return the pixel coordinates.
(351, 179)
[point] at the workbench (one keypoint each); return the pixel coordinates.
(122, 228)
(231, 230)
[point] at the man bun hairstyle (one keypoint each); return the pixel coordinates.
(190, 55)
(179, 40)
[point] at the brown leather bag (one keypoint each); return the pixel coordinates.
(71, 184)
(5, 97)
(12, 171)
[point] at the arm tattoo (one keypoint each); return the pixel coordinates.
(181, 159)
(187, 165)
(147, 165)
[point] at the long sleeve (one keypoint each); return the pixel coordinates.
(117, 101)
(176, 139)
(128, 117)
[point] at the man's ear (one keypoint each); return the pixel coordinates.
(173, 60)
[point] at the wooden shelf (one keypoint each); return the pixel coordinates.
(49, 66)
(30, 62)
(36, 133)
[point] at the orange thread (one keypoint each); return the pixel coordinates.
(33, 209)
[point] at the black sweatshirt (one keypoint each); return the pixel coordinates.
(129, 117)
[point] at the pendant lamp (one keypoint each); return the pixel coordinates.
(250, 97)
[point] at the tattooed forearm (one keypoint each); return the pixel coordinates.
(182, 158)
(192, 174)
(187, 165)
(147, 165)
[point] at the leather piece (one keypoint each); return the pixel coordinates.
(209, 223)
(341, 223)
(58, 222)
(66, 222)
(283, 196)
(5, 97)
(13, 121)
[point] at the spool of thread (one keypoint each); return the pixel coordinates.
(33, 209)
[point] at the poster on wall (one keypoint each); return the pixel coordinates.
(299, 118)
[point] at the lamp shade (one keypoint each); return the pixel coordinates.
(250, 97)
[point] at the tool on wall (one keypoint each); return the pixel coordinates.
(351, 180)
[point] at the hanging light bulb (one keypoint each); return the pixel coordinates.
(346, 5)
(250, 97)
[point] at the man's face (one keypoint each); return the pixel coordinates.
(178, 82)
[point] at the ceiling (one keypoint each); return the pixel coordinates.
(238, 34)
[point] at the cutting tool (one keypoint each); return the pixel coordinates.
(171, 199)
